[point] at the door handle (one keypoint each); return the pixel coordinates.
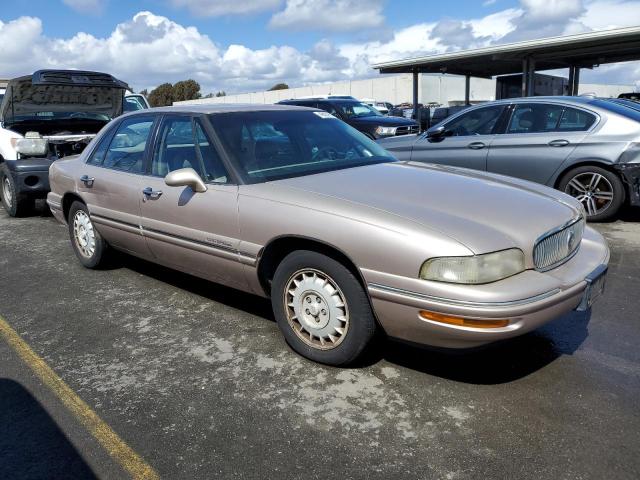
(87, 180)
(151, 193)
(558, 143)
(476, 146)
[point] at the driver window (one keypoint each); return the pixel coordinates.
(126, 150)
(480, 121)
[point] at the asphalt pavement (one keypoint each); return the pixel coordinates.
(197, 380)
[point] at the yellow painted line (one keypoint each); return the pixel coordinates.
(103, 433)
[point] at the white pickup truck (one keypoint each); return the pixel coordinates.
(46, 116)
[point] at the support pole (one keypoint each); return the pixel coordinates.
(572, 73)
(531, 80)
(576, 81)
(525, 76)
(467, 89)
(416, 110)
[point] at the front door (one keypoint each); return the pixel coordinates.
(194, 232)
(538, 139)
(466, 141)
(111, 182)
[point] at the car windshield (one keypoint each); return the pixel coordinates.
(618, 108)
(356, 110)
(273, 145)
(133, 103)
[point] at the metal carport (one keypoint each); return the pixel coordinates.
(583, 50)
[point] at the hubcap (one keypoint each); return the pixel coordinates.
(316, 309)
(84, 234)
(6, 192)
(593, 190)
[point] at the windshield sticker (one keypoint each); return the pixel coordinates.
(324, 115)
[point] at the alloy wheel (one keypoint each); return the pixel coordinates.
(593, 190)
(6, 192)
(316, 309)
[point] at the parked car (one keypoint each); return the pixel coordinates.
(587, 147)
(360, 116)
(295, 205)
(135, 101)
(46, 116)
(405, 110)
(382, 107)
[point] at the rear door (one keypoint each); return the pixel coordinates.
(193, 232)
(111, 181)
(537, 140)
(466, 142)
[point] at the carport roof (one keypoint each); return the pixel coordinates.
(584, 50)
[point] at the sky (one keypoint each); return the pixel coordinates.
(249, 45)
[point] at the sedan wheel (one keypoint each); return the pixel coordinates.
(316, 309)
(600, 191)
(321, 308)
(87, 243)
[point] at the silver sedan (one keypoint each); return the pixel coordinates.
(292, 204)
(587, 147)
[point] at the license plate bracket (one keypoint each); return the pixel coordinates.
(596, 282)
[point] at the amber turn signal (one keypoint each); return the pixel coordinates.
(462, 322)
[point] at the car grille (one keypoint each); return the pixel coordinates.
(557, 246)
(406, 130)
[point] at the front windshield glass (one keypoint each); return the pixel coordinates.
(357, 110)
(272, 145)
(133, 103)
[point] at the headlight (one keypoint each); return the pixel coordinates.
(33, 147)
(475, 269)
(386, 130)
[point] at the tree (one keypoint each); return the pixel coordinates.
(161, 96)
(221, 93)
(186, 90)
(144, 92)
(279, 86)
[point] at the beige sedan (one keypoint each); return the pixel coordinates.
(292, 204)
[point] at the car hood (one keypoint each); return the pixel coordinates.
(382, 120)
(482, 211)
(39, 96)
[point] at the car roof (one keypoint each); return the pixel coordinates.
(213, 108)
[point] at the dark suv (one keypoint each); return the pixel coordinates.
(360, 116)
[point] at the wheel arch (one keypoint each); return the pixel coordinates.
(278, 248)
(583, 163)
(67, 200)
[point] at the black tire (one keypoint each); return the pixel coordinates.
(97, 256)
(360, 329)
(15, 204)
(609, 182)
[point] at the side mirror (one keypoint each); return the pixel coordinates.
(186, 177)
(436, 132)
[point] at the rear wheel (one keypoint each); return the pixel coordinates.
(322, 309)
(600, 191)
(15, 204)
(88, 244)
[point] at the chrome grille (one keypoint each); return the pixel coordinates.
(557, 246)
(406, 130)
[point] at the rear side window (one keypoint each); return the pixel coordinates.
(126, 149)
(574, 120)
(535, 118)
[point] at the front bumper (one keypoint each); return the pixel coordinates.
(31, 175)
(631, 175)
(551, 294)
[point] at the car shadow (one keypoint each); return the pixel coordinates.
(500, 362)
(31, 443)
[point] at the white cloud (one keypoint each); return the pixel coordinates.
(86, 6)
(334, 15)
(214, 8)
(148, 49)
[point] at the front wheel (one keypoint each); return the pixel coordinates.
(600, 191)
(15, 204)
(88, 244)
(322, 309)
